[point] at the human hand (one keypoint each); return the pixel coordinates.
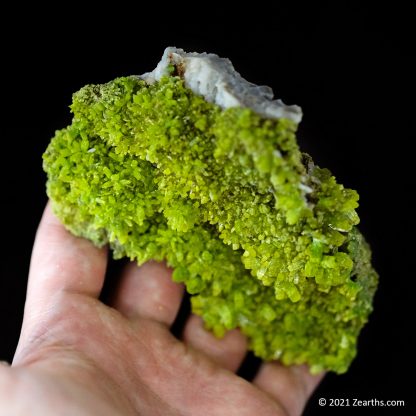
(78, 356)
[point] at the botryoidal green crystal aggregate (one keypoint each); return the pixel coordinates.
(263, 239)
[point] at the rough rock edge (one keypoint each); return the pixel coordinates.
(218, 82)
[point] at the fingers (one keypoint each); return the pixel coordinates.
(62, 262)
(148, 292)
(228, 352)
(290, 386)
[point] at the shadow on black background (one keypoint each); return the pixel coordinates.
(348, 69)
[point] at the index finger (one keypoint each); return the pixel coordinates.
(62, 262)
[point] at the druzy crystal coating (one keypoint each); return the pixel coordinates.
(262, 238)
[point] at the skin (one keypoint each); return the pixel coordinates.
(79, 356)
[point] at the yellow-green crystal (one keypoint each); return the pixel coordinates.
(262, 238)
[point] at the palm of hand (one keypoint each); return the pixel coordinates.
(84, 357)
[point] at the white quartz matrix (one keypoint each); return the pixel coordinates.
(215, 79)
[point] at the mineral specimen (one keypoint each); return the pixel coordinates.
(194, 165)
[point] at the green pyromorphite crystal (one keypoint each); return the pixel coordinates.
(263, 239)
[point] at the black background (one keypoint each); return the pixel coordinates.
(348, 67)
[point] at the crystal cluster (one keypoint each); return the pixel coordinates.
(263, 239)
